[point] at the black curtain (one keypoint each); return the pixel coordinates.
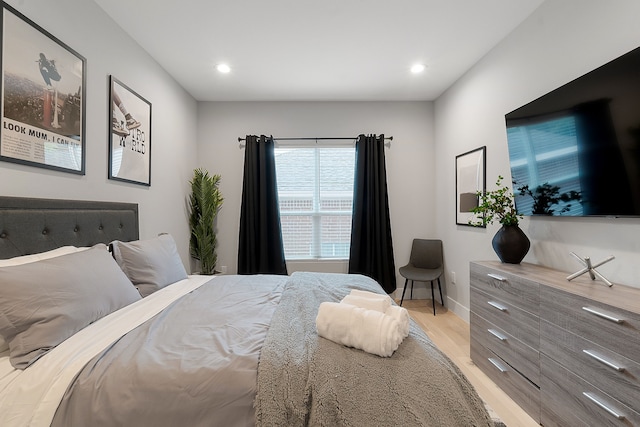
(371, 246)
(260, 247)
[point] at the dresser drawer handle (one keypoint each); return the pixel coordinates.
(603, 405)
(497, 364)
(603, 315)
(497, 305)
(603, 360)
(497, 277)
(497, 334)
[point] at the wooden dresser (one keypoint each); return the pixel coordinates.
(568, 352)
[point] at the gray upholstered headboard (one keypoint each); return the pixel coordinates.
(29, 225)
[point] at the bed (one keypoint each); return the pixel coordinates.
(126, 337)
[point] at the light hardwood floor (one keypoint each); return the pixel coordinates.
(451, 334)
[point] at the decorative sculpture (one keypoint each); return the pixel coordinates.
(591, 269)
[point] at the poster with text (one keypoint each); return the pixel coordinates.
(43, 104)
(130, 135)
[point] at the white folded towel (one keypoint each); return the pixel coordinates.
(368, 294)
(368, 330)
(379, 302)
(402, 316)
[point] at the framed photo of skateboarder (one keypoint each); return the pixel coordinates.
(43, 97)
(129, 135)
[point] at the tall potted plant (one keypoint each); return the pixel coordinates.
(205, 202)
(510, 243)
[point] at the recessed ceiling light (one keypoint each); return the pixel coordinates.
(223, 68)
(417, 68)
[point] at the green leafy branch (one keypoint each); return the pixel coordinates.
(497, 205)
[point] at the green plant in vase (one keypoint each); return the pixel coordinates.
(205, 202)
(510, 243)
(497, 205)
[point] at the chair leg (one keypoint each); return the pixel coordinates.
(440, 288)
(412, 289)
(433, 299)
(403, 291)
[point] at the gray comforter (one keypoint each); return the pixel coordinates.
(196, 364)
(304, 379)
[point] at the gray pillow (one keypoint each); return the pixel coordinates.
(150, 264)
(45, 302)
(25, 259)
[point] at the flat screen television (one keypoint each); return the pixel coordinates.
(576, 150)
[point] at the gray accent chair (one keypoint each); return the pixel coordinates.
(425, 265)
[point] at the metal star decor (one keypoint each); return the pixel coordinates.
(591, 268)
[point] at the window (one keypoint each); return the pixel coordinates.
(315, 191)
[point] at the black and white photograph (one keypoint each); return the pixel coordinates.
(129, 135)
(43, 100)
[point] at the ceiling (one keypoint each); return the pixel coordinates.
(330, 50)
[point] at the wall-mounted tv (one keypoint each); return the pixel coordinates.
(576, 150)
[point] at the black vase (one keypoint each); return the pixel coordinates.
(511, 244)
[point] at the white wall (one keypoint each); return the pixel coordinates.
(109, 51)
(557, 43)
(410, 159)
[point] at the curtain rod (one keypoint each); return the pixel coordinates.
(390, 138)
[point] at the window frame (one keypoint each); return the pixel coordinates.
(316, 214)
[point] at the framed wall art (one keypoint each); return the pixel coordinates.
(43, 97)
(129, 135)
(470, 178)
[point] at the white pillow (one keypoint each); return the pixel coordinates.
(25, 259)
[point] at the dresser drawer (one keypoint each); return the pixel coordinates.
(523, 392)
(568, 400)
(610, 327)
(520, 324)
(611, 372)
(517, 354)
(506, 286)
